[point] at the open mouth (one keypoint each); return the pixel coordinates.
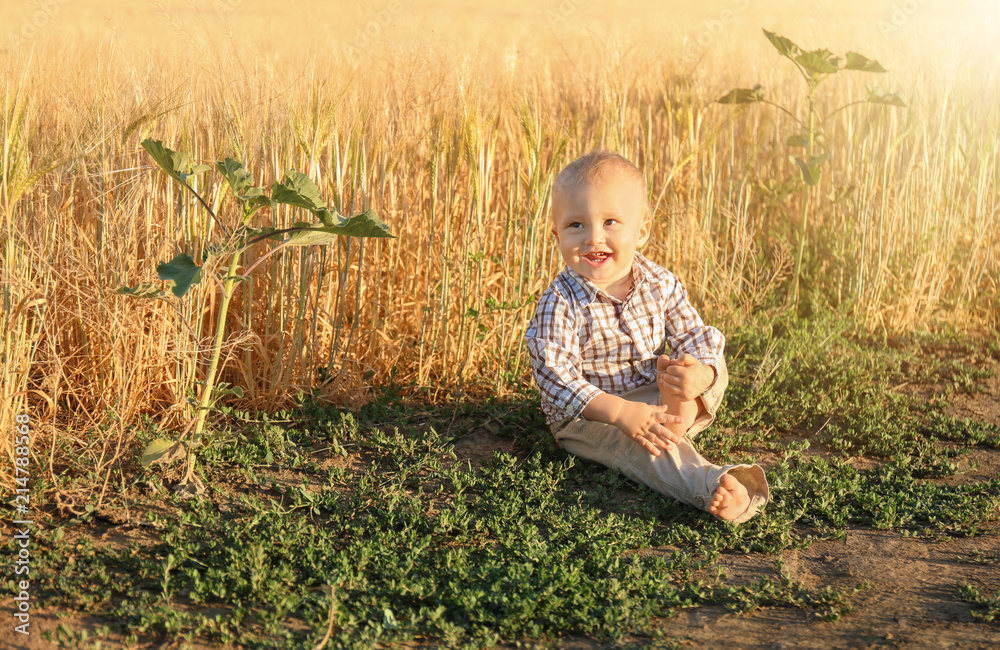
(597, 258)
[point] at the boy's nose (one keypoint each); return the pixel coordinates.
(596, 237)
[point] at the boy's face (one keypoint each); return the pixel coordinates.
(599, 225)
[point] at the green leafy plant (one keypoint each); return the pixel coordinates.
(815, 66)
(222, 261)
(991, 604)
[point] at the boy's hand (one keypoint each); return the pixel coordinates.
(685, 378)
(644, 423)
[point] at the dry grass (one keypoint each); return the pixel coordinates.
(454, 142)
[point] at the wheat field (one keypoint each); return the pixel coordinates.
(450, 120)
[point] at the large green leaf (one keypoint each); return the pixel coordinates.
(256, 196)
(856, 61)
(366, 224)
(181, 271)
(878, 96)
(298, 234)
(177, 164)
(143, 290)
(326, 235)
(784, 46)
(819, 61)
(743, 95)
(299, 191)
(255, 199)
(241, 182)
(328, 218)
(236, 175)
(163, 452)
(797, 140)
(810, 170)
(302, 233)
(314, 236)
(807, 173)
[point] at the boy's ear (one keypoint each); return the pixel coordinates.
(644, 230)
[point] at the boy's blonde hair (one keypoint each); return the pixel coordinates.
(595, 166)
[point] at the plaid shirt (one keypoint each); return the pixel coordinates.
(583, 341)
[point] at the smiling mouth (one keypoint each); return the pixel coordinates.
(596, 259)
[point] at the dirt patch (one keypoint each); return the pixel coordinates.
(910, 601)
(479, 447)
(985, 406)
(982, 405)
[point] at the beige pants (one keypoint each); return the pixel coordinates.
(681, 473)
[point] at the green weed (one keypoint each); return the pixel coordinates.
(296, 191)
(815, 67)
(978, 557)
(971, 594)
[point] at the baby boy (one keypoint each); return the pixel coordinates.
(627, 370)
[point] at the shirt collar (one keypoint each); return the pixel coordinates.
(586, 291)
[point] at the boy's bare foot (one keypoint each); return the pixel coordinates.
(730, 499)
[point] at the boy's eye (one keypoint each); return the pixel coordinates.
(575, 224)
(610, 222)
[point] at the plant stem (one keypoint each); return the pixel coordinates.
(802, 247)
(208, 208)
(228, 288)
(804, 227)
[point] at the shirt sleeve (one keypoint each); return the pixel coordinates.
(553, 342)
(686, 333)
